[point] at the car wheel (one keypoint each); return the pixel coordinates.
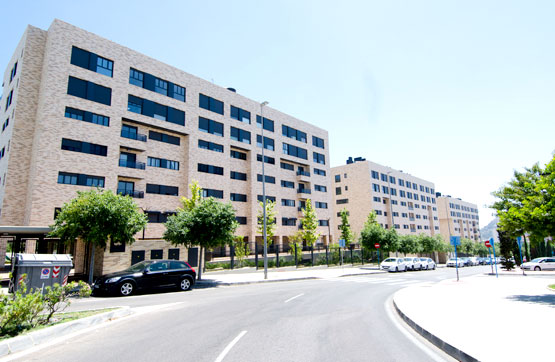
(537, 268)
(185, 284)
(126, 288)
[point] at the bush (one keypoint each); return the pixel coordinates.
(508, 265)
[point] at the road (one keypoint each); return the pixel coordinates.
(338, 319)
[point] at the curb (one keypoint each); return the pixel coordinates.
(23, 342)
(454, 352)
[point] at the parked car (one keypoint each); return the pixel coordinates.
(452, 262)
(148, 274)
(394, 264)
(466, 261)
(428, 263)
(475, 261)
(545, 263)
(413, 263)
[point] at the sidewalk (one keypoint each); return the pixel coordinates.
(484, 318)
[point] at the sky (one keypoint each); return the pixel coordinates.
(459, 93)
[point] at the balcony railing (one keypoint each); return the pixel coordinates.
(303, 191)
(303, 173)
(131, 164)
(133, 135)
(134, 194)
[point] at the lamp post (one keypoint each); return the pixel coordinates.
(262, 105)
(391, 206)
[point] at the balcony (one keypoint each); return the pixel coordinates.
(303, 191)
(303, 173)
(134, 194)
(131, 164)
(133, 135)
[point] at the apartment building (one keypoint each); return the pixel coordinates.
(458, 218)
(399, 199)
(80, 111)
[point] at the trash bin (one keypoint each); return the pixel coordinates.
(42, 270)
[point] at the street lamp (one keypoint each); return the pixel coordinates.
(391, 206)
(262, 105)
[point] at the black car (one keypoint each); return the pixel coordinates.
(147, 274)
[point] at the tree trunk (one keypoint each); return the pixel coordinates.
(199, 275)
(91, 266)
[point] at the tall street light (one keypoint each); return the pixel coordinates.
(391, 204)
(262, 105)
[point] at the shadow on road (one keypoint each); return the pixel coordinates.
(546, 299)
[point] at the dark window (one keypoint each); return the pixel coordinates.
(155, 110)
(126, 188)
(210, 126)
(375, 175)
(156, 254)
(158, 217)
(173, 254)
(318, 158)
(288, 184)
(287, 166)
(240, 114)
(162, 137)
(131, 132)
(104, 66)
(136, 77)
(293, 133)
(268, 198)
(80, 179)
(211, 104)
(137, 256)
(338, 190)
(268, 123)
(337, 178)
(117, 247)
(342, 201)
(210, 146)
(89, 90)
(179, 94)
(161, 86)
(91, 61)
(162, 189)
(84, 147)
(320, 188)
(241, 220)
(295, 151)
(234, 175)
(210, 169)
(9, 99)
(240, 135)
(320, 205)
(288, 221)
(384, 177)
(5, 124)
(218, 194)
(268, 142)
(319, 172)
(269, 179)
(87, 116)
(287, 202)
(238, 197)
(267, 159)
(13, 72)
(318, 142)
(163, 163)
(323, 222)
(238, 155)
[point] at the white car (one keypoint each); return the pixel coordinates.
(455, 262)
(393, 265)
(413, 263)
(538, 264)
(428, 263)
(474, 261)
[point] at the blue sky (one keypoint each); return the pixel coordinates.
(459, 93)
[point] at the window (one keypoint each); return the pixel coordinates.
(210, 126)
(293, 133)
(342, 201)
(210, 146)
(13, 72)
(320, 205)
(84, 147)
(375, 187)
(384, 177)
(337, 178)
(393, 191)
(320, 188)
(269, 179)
(211, 104)
(234, 175)
(295, 151)
(127, 188)
(318, 142)
(240, 135)
(9, 99)
(155, 110)
(338, 190)
(288, 221)
(130, 160)
(267, 159)
(216, 170)
(241, 220)
(392, 180)
(91, 61)
(319, 172)
(89, 90)
(409, 185)
(287, 202)
(268, 123)
(162, 189)
(238, 155)
(402, 193)
(287, 166)
(154, 84)
(401, 182)
(268, 142)
(378, 212)
(287, 184)
(87, 116)
(217, 194)
(414, 186)
(163, 163)
(79, 179)
(136, 77)
(339, 214)
(268, 198)
(5, 124)
(162, 137)
(240, 114)
(178, 93)
(318, 158)
(377, 199)
(238, 197)
(161, 86)
(323, 223)
(375, 175)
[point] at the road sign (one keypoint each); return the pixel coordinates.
(45, 273)
(56, 272)
(455, 240)
(487, 243)
(377, 245)
(342, 243)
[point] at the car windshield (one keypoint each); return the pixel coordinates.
(537, 260)
(408, 259)
(139, 267)
(452, 259)
(389, 260)
(423, 259)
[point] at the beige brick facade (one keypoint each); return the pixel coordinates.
(458, 218)
(398, 198)
(29, 188)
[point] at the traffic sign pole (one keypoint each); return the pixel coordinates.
(494, 257)
(456, 262)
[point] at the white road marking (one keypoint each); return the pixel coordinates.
(290, 299)
(230, 346)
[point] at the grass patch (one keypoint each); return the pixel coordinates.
(552, 286)
(60, 318)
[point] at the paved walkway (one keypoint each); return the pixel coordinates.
(509, 318)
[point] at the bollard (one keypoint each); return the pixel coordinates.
(296, 261)
(232, 252)
(327, 255)
(312, 254)
(256, 255)
(277, 256)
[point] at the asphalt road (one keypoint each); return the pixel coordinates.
(338, 319)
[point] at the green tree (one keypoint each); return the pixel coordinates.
(97, 216)
(466, 247)
(346, 232)
(408, 244)
(241, 248)
(373, 233)
(480, 249)
(204, 222)
(428, 244)
(310, 224)
(296, 239)
(271, 213)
